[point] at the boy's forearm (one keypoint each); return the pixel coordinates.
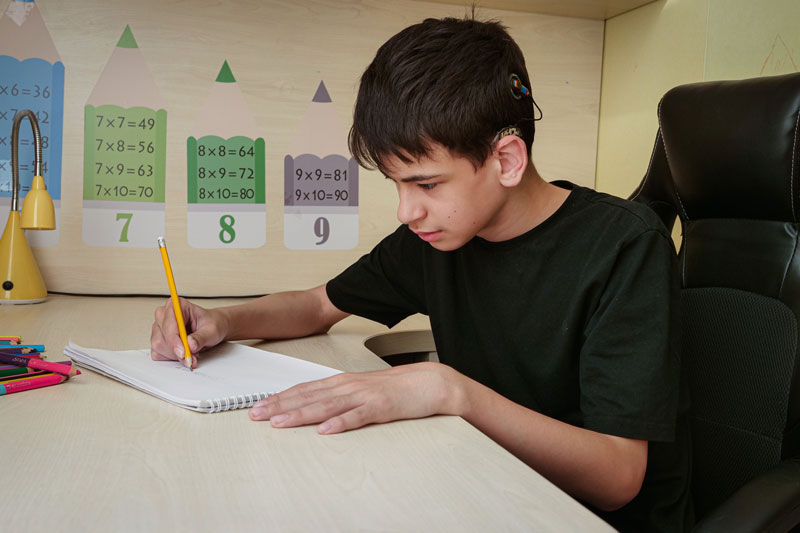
(603, 470)
(281, 315)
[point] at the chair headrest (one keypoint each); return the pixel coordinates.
(731, 148)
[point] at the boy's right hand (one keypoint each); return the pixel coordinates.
(205, 328)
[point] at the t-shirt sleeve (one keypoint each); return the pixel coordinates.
(630, 361)
(387, 284)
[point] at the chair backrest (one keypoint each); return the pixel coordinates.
(726, 163)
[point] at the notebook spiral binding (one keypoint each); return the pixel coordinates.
(236, 402)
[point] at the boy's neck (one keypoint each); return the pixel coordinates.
(528, 204)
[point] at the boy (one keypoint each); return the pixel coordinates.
(553, 307)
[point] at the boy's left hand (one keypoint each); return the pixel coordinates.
(352, 400)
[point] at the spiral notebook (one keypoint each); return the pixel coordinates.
(229, 376)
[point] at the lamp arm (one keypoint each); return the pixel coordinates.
(37, 145)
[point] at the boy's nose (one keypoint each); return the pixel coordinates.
(408, 210)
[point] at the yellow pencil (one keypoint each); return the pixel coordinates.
(176, 305)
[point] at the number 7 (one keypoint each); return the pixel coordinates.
(123, 237)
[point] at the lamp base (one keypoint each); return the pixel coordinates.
(20, 279)
(22, 302)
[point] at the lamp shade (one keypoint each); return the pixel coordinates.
(37, 209)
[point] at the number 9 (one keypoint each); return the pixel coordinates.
(322, 229)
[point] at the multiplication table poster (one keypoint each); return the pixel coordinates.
(225, 172)
(31, 77)
(125, 133)
(320, 195)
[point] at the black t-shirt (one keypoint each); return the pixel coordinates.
(576, 319)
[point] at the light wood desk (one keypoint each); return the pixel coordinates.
(95, 455)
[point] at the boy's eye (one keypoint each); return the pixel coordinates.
(427, 186)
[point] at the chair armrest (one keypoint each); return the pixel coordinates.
(769, 502)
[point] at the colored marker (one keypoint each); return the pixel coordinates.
(15, 370)
(32, 362)
(10, 387)
(29, 350)
(176, 304)
(12, 349)
(21, 373)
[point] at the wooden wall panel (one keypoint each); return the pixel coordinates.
(279, 51)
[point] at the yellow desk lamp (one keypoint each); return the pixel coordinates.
(20, 279)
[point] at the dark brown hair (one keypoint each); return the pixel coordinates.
(442, 81)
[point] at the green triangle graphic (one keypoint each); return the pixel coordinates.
(225, 75)
(127, 40)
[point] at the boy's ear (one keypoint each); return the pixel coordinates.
(513, 157)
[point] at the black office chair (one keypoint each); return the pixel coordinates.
(727, 162)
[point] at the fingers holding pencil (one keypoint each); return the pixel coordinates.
(205, 328)
(176, 305)
(165, 339)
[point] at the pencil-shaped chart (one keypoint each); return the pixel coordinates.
(124, 153)
(320, 183)
(225, 167)
(31, 77)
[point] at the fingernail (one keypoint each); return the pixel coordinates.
(256, 411)
(178, 351)
(324, 427)
(278, 419)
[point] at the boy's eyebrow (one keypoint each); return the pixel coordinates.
(418, 177)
